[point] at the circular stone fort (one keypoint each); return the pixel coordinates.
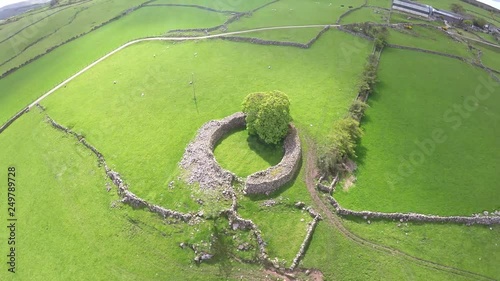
(202, 168)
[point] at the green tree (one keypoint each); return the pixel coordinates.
(267, 115)
(251, 107)
(479, 22)
(457, 8)
(54, 3)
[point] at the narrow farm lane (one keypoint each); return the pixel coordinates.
(335, 220)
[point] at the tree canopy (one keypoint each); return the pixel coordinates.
(457, 8)
(267, 115)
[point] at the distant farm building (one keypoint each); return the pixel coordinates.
(425, 11)
(448, 16)
(412, 8)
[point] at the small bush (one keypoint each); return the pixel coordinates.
(357, 109)
(339, 146)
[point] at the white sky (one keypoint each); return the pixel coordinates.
(494, 3)
(8, 2)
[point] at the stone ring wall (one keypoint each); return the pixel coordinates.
(269, 180)
(202, 168)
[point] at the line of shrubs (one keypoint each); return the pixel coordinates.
(377, 32)
(335, 152)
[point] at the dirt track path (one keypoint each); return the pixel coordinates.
(333, 219)
(169, 39)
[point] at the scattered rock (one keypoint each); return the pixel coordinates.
(300, 205)
(268, 203)
(245, 247)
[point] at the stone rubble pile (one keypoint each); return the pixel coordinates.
(198, 159)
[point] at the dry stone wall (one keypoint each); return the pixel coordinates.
(128, 197)
(259, 41)
(198, 159)
(483, 220)
(269, 180)
(305, 243)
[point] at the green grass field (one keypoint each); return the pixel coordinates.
(237, 6)
(397, 17)
(58, 25)
(375, 15)
(295, 12)
(138, 108)
(54, 68)
(100, 110)
(429, 39)
(380, 3)
(475, 249)
(347, 260)
(253, 155)
(417, 169)
(67, 228)
(490, 55)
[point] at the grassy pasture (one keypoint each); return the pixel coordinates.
(295, 12)
(8, 27)
(490, 57)
(397, 17)
(313, 78)
(54, 68)
(252, 155)
(429, 39)
(380, 3)
(475, 249)
(237, 6)
(405, 112)
(74, 192)
(141, 140)
(56, 28)
(143, 137)
(367, 15)
(67, 229)
(343, 259)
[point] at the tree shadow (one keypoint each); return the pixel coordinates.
(271, 153)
